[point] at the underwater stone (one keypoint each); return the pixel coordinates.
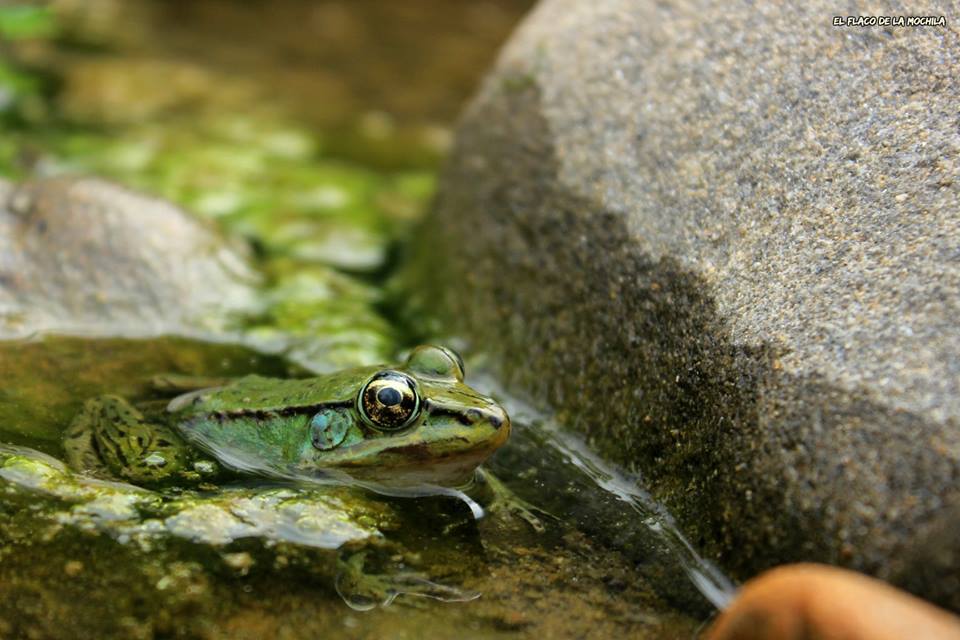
(722, 241)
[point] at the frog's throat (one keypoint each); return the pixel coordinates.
(418, 457)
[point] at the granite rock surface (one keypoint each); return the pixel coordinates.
(723, 240)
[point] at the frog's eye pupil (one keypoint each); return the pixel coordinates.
(388, 396)
(389, 401)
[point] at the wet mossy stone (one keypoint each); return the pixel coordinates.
(721, 240)
(82, 255)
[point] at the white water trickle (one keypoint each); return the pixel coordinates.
(714, 586)
(705, 576)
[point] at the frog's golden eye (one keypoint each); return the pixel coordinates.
(389, 401)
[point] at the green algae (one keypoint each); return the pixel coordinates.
(323, 228)
(132, 563)
(26, 21)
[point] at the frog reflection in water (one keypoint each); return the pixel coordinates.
(403, 428)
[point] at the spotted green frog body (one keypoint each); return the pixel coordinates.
(416, 424)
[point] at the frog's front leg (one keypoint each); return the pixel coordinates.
(111, 438)
(498, 499)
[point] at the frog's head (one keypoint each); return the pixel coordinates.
(414, 424)
(410, 425)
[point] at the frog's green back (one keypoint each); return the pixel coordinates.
(259, 394)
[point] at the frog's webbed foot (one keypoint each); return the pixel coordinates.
(363, 591)
(112, 438)
(503, 501)
(80, 449)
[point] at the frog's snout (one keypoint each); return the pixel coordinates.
(498, 418)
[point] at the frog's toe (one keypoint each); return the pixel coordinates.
(502, 501)
(515, 507)
(528, 516)
(381, 590)
(364, 591)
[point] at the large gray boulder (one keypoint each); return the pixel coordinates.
(724, 242)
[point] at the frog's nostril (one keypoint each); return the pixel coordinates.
(495, 417)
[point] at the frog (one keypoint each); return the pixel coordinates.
(408, 429)
(405, 429)
(401, 427)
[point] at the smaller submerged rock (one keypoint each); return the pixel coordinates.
(82, 255)
(322, 518)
